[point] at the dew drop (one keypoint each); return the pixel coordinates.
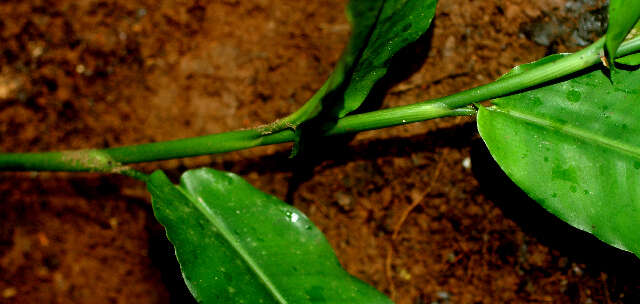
(573, 96)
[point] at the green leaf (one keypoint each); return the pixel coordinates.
(623, 15)
(574, 147)
(633, 59)
(380, 29)
(400, 23)
(236, 244)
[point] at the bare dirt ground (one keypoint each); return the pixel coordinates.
(82, 74)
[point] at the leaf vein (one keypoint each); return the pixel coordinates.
(585, 135)
(235, 244)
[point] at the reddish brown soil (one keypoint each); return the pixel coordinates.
(80, 74)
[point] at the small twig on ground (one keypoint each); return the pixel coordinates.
(415, 203)
(405, 214)
(387, 271)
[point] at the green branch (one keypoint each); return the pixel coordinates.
(114, 160)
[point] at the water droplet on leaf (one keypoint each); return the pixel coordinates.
(573, 96)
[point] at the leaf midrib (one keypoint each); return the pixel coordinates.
(567, 129)
(235, 244)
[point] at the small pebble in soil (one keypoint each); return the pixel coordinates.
(443, 295)
(451, 257)
(113, 222)
(80, 69)
(466, 162)
(344, 200)
(9, 292)
(37, 51)
(577, 270)
(404, 274)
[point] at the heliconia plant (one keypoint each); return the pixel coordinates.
(566, 129)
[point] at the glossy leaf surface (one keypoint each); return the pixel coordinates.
(380, 28)
(400, 23)
(623, 15)
(633, 59)
(574, 147)
(236, 244)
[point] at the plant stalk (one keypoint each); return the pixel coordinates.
(114, 159)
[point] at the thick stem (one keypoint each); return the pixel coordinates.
(114, 159)
(505, 86)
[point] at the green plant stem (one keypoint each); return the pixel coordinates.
(551, 71)
(114, 159)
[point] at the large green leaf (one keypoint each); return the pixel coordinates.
(623, 15)
(574, 147)
(236, 244)
(380, 28)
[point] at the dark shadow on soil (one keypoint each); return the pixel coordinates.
(340, 153)
(163, 257)
(549, 230)
(314, 150)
